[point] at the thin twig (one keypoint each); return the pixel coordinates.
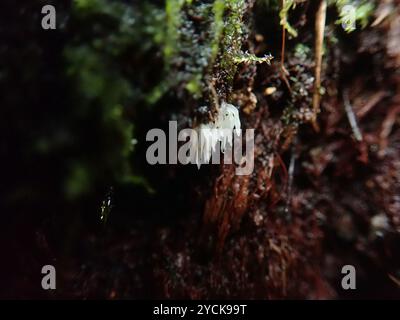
(292, 165)
(351, 116)
(319, 42)
(372, 101)
(394, 279)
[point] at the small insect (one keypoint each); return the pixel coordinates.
(106, 206)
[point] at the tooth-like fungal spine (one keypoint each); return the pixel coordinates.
(221, 130)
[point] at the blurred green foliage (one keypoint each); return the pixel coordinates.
(71, 132)
(283, 14)
(102, 88)
(363, 11)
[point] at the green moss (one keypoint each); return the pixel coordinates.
(302, 51)
(157, 92)
(173, 22)
(195, 50)
(250, 58)
(189, 47)
(233, 37)
(217, 28)
(194, 86)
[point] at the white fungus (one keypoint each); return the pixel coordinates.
(221, 130)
